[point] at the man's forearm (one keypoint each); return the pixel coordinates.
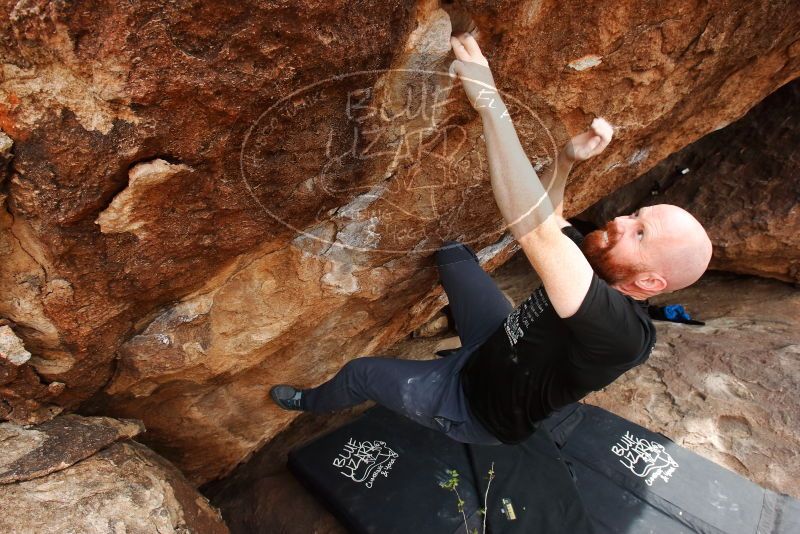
(520, 194)
(554, 181)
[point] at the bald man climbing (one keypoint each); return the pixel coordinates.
(585, 326)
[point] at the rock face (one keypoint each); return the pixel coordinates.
(742, 183)
(25, 399)
(83, 474)
(205, 200)
(33, 452)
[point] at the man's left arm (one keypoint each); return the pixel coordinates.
(520, 195)
(580, 148)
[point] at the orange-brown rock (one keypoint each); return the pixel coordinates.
(84, 474)
(742, 183)
(205, 200)
(25, 399)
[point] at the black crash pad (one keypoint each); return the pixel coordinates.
(634, 481)
(381, 474)
(585, 470)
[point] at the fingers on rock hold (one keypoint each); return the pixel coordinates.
(458, 49)
(470, 44)
(455, 68)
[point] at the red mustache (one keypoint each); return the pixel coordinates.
(598, 244)
(597, 250)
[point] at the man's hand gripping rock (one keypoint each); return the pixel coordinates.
(472, 68)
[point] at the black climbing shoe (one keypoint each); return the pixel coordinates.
(286, 397)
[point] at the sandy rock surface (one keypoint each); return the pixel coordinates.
(206, 199)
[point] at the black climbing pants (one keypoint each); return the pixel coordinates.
(428, 392)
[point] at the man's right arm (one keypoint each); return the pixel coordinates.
(521, 197)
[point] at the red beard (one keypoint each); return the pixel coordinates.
(599, 255)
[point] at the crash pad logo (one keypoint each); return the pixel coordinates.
(646, 459)
(365, 461)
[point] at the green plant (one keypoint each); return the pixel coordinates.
(451, 484)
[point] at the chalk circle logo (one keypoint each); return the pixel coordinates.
(380, 160)
(645, 458)
(364, 461)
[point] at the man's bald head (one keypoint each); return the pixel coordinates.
(685, 249)
(654, 250)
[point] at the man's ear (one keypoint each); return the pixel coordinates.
(650, 282)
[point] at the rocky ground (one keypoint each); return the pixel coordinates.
(87, 475)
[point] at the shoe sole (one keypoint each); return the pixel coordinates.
(273, 395)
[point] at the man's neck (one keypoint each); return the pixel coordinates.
(636, 295)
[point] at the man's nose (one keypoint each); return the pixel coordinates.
(619, 224)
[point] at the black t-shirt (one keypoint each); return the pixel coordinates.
(537, 362)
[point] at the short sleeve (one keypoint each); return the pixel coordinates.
(573, 233)
(607, 328)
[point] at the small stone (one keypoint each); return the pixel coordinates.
(449, 343)
(11, 347)
(136, 207)
(586, 62)
(55, 388)
(5, 145)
